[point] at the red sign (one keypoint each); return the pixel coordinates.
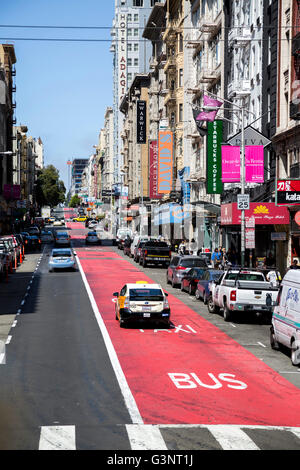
(265, 213)
(153, 170)
(288, 185)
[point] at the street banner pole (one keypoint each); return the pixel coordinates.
(243, 189)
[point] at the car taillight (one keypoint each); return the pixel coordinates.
(146, 252)
(180, 268)
(233, 295)
(166, 303)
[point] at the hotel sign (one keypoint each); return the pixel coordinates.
(141, 122)
(122, 56)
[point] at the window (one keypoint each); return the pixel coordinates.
(129, 47)
(129, 32)
(138, 3)
(136, 32)
(136, 47)
(136, 17)
(129, 17)
(180, 77)
(136, 62)
(181, 112)
(129, 62)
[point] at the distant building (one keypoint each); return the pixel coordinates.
(78, 165)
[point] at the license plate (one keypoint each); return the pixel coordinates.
(146, 315)
(146, 309)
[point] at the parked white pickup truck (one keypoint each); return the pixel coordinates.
(241, 290)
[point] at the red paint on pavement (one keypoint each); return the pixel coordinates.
(259, 396)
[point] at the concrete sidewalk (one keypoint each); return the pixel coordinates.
(13, 290)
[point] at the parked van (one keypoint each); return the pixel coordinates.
(285, 327)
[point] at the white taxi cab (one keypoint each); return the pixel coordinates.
(142, 302)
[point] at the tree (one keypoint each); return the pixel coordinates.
(74, 201)
(50, 190)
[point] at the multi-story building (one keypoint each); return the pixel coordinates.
(131, 56)
(203, 72)
(286, 141)
(107, 150)
(78, 165)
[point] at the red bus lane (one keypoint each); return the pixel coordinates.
(192, 373)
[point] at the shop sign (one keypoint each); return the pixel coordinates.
(251, 137)
(288, 192)
(278, 236)
(265, 213)
(214, 183)
(165, 161)
(250, 222)
(153, 170)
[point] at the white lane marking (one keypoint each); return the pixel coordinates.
(145, 437)
(23, 302)
(261, 344)
(126, 392)
(8, 339)
(14, 324)
(232, 438)
(57, 438)
(2, 358)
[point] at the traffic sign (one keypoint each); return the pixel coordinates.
(243, 202)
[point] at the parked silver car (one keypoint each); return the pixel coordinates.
(179, 265)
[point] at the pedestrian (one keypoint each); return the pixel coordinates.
(294, 265)
(182, 248)
(216, 258)
(274, 278)
(193, 247)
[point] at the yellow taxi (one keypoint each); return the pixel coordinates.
(142, 302)
(81, 218)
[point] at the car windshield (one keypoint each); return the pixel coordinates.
(93, 234)
(58, 254)
(62, 235)
(216, 276)
(190, 263)
(146, 294)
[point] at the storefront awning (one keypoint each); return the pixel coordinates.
(265, 213)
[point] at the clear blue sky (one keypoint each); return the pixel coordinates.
(63, 88)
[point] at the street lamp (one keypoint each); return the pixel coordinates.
(241, 116)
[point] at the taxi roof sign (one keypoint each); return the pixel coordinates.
(141, 282)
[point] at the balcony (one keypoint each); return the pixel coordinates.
(208, 74)
(209, 25)
(239, 88)
(170, 97)
(239, 36)
(171, 63)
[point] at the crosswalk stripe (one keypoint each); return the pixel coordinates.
(57, 438)
(145, 437)
(232, 438)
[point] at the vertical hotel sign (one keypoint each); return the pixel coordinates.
(165, 161)
(122, 56)
(214, 183)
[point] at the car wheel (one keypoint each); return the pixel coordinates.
(212, 308)
(190, 290)
(122, 323)
(181, 287)
(144, 263)
(197, 294)
(273, 341)
(174, 284)
(294, 354)
(167, 279)
(227, 314)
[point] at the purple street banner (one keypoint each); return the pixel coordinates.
(254, 164)
(231, 160)
(254, 157)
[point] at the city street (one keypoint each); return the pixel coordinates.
(74, 379)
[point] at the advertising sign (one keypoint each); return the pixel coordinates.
(254, 164)
(214, 157)
(141, 122)
(122, 55)
(265, 213)
(250, 238)
(165, 161)
(288, 192)
(153, 170)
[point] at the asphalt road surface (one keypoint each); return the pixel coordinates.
(74, 379)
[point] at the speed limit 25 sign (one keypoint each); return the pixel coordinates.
(243, 202)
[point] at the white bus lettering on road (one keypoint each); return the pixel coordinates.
(186, 381)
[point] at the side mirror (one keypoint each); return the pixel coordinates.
(116, 294)
(166, 294)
